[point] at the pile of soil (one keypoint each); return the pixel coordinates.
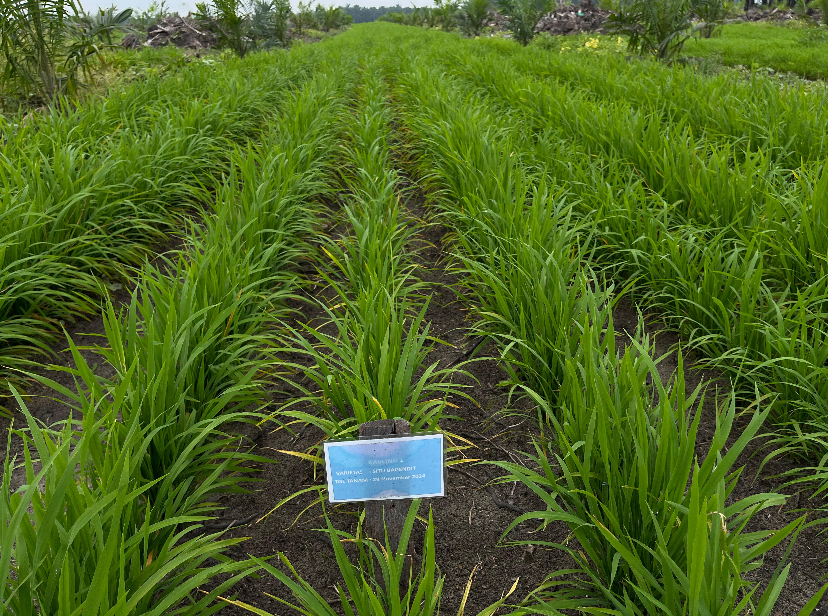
(131, 41)
(574, 19)
(181, 32)
(497, 21)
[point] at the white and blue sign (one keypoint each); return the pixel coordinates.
(385, 468)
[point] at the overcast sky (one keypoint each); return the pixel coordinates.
(185, 6)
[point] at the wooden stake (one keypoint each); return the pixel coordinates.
(385, 515)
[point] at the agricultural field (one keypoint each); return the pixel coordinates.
(603, 278)
(799, 50)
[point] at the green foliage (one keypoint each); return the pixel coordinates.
(232, 20)
(705, 206)
(659, 27)
(546, 41)
(445, 13)
(269, 22)
(331, 18)
(371, 359)
(86, 194)
(90, 538)
(110, 523)
(303, 18)
(620, 482)
(101, 25)
(153, 14)
(467, 109)
(763, 45)
(524, 16)
(473, 14)
(814, 36)
(712, 13)
(48, 46)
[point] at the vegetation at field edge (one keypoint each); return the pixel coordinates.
(802, 51)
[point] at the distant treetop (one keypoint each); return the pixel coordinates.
(363, 14)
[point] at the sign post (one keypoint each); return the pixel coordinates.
(386, 468)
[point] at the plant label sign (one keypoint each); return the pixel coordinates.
(385, 468)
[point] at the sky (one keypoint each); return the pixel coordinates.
(185, 6)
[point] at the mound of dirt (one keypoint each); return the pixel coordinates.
(131, 41)
(181, 32)
(496, 20)
(573, 19)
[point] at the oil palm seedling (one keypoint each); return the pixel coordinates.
(473, 16)
(48, 46)
(524, 16)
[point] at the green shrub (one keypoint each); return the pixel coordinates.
(524, 16)
(546, 42)
(659, 27)
(711, 13)
(231, 19)
(49, 46)
(473, 14)
(269, 22)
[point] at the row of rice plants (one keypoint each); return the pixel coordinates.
(712, 288)
(784, 119)
(370, 361)
(110, 522)
(369, 358)
(750, 304)
(80, 203)
(654, 532)
(751, 199)
(710, 183)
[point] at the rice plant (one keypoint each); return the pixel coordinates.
(629, 559)
(723, 284)
(370, 359)
(372, 585)
(82, 533)
(618, 476)
(153, 449)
